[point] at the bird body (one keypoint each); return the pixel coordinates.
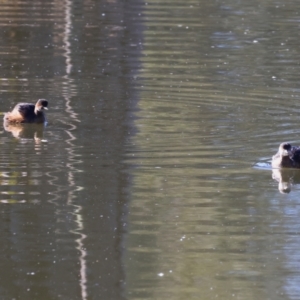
(27, 113)
(288, 156)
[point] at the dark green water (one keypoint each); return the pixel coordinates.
(151, 179)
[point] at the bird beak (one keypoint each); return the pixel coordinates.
(45, 108)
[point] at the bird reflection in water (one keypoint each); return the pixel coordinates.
(286, 179)
(26, 131)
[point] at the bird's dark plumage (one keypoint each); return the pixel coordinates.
(288, 156)
(27, 113)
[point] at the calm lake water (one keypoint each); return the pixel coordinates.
(152, 178)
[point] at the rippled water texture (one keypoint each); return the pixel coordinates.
(152, 177)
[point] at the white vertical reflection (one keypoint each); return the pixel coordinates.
(73, 160)
(68, 22)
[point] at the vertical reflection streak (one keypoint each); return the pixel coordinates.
(73, 160)
(68, 23)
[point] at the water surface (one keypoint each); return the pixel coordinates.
(151, 179)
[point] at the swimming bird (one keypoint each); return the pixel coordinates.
(28, 113)
(288, 156)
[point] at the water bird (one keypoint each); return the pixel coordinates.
(288, 156)
(27, 113)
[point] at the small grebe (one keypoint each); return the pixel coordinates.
(288, 156)
(27, 113)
